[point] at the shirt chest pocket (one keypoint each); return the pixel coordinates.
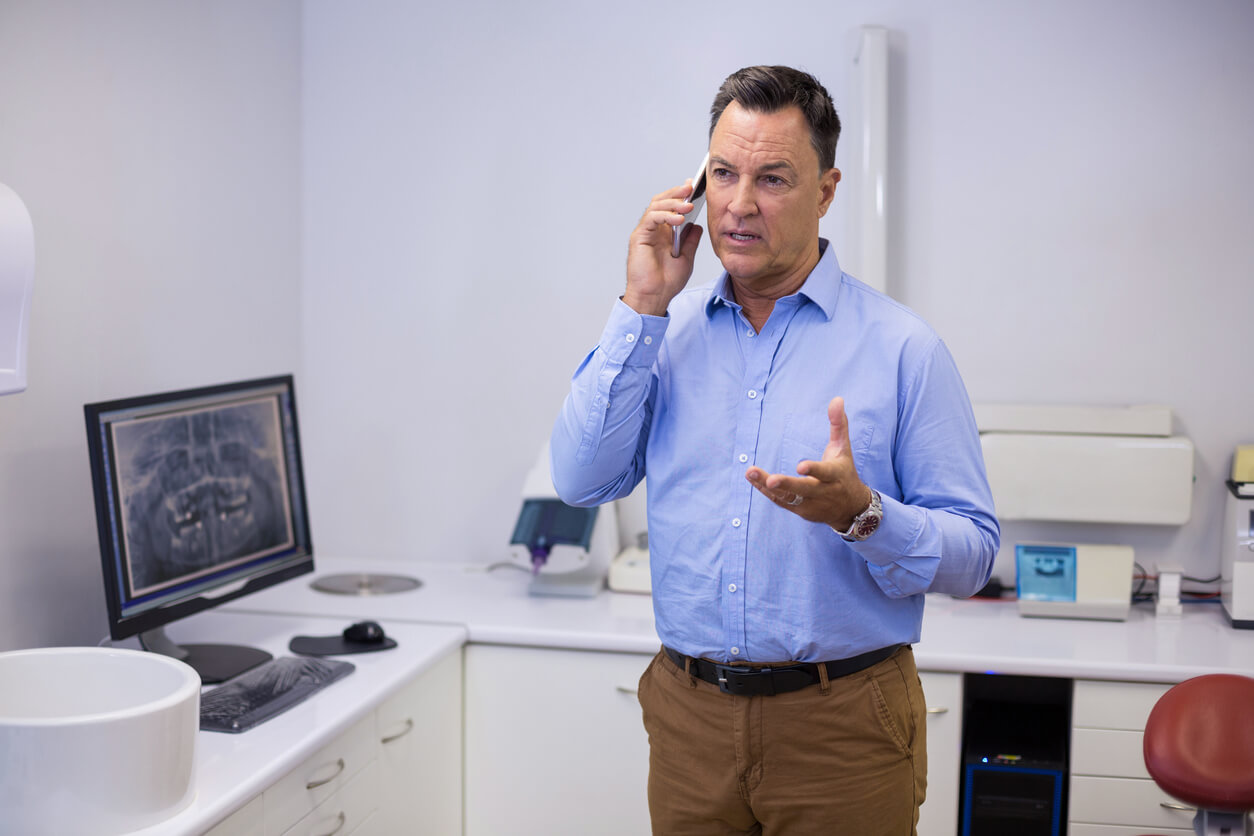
(803, 439)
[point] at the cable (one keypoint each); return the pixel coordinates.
(1137, 593)
(1189, 596)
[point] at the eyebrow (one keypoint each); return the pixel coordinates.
(762, 169)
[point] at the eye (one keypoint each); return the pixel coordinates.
(773, 180)
(720, 174)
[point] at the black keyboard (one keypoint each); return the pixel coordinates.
(266, 691)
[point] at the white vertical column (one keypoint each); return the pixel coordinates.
(871, 211)
(17, 276)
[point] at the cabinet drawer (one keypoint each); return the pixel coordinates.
(345, 810)
(248, 820)
(1077, 829)
(321, 775)
(1109, 752)
(1114, 705)
(1126, 801)
(372, 826)
(943, 694)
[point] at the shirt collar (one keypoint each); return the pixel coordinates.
(821, 287)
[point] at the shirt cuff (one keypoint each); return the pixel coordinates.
(897, 534)
(630, 338)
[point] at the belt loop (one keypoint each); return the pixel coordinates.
(692, 680)
(825, 685)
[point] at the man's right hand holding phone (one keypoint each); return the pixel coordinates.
(654, 275)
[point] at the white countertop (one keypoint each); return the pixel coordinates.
(232, 768)
(981, 636)
(493, 606)
(459, 602)
(960, 636)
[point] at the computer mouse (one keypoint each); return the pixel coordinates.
(364, 631)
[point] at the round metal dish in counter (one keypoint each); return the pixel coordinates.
(365, 584)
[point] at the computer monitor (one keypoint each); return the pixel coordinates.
(200, 499)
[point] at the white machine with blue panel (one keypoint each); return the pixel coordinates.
(568, 549)
(1074, 581)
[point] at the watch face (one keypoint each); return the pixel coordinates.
(867, 527)
(869, 520)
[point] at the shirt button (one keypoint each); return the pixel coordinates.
(648, 341)
(753, 393)
(736, 523)
(735, 651)
(743, 458)
(631, 338)
(731, 587)
(751, 333)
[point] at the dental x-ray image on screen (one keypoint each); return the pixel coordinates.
(200, 500)
(201, 490)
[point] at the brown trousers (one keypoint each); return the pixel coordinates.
(842, 758)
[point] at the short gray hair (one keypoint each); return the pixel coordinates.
(771, 89)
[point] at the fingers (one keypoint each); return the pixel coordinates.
(668, 207)
(782, 490)
(689, 241)
(840, 423)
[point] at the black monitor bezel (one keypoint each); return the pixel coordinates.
(122, 626)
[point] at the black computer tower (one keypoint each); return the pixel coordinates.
(1015, 747)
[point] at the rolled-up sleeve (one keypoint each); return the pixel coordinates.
(942, 534)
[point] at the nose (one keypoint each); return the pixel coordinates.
(744, 199)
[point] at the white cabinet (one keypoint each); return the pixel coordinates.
(1111, 792)
(943, 693)
(398, 770)
(419, 733)
(554, 742)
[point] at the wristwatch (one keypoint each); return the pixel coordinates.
(864, 525)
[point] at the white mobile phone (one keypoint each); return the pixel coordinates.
(697, 200)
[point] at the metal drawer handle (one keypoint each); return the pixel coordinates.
(339, 824)
(409, 726)
(1171, 805)
(624, 689)
(937, 709)
(339, 767)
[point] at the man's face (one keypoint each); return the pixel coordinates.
(765, 196)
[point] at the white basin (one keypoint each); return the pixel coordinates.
(94, 740)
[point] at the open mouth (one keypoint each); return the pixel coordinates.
(742, 236)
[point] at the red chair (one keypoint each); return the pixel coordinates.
(1199, 748)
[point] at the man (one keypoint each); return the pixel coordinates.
(814, 468)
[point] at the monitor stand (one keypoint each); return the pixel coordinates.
(214, 662)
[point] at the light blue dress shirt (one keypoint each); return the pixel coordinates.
(696, 397)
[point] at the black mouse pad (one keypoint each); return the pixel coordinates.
(335, 645)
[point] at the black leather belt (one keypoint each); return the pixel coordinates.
(767, 680)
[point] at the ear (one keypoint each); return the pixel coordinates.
(827, 189)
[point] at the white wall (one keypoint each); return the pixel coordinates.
(1072, 186)
(1072, 190)
(157, 147)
